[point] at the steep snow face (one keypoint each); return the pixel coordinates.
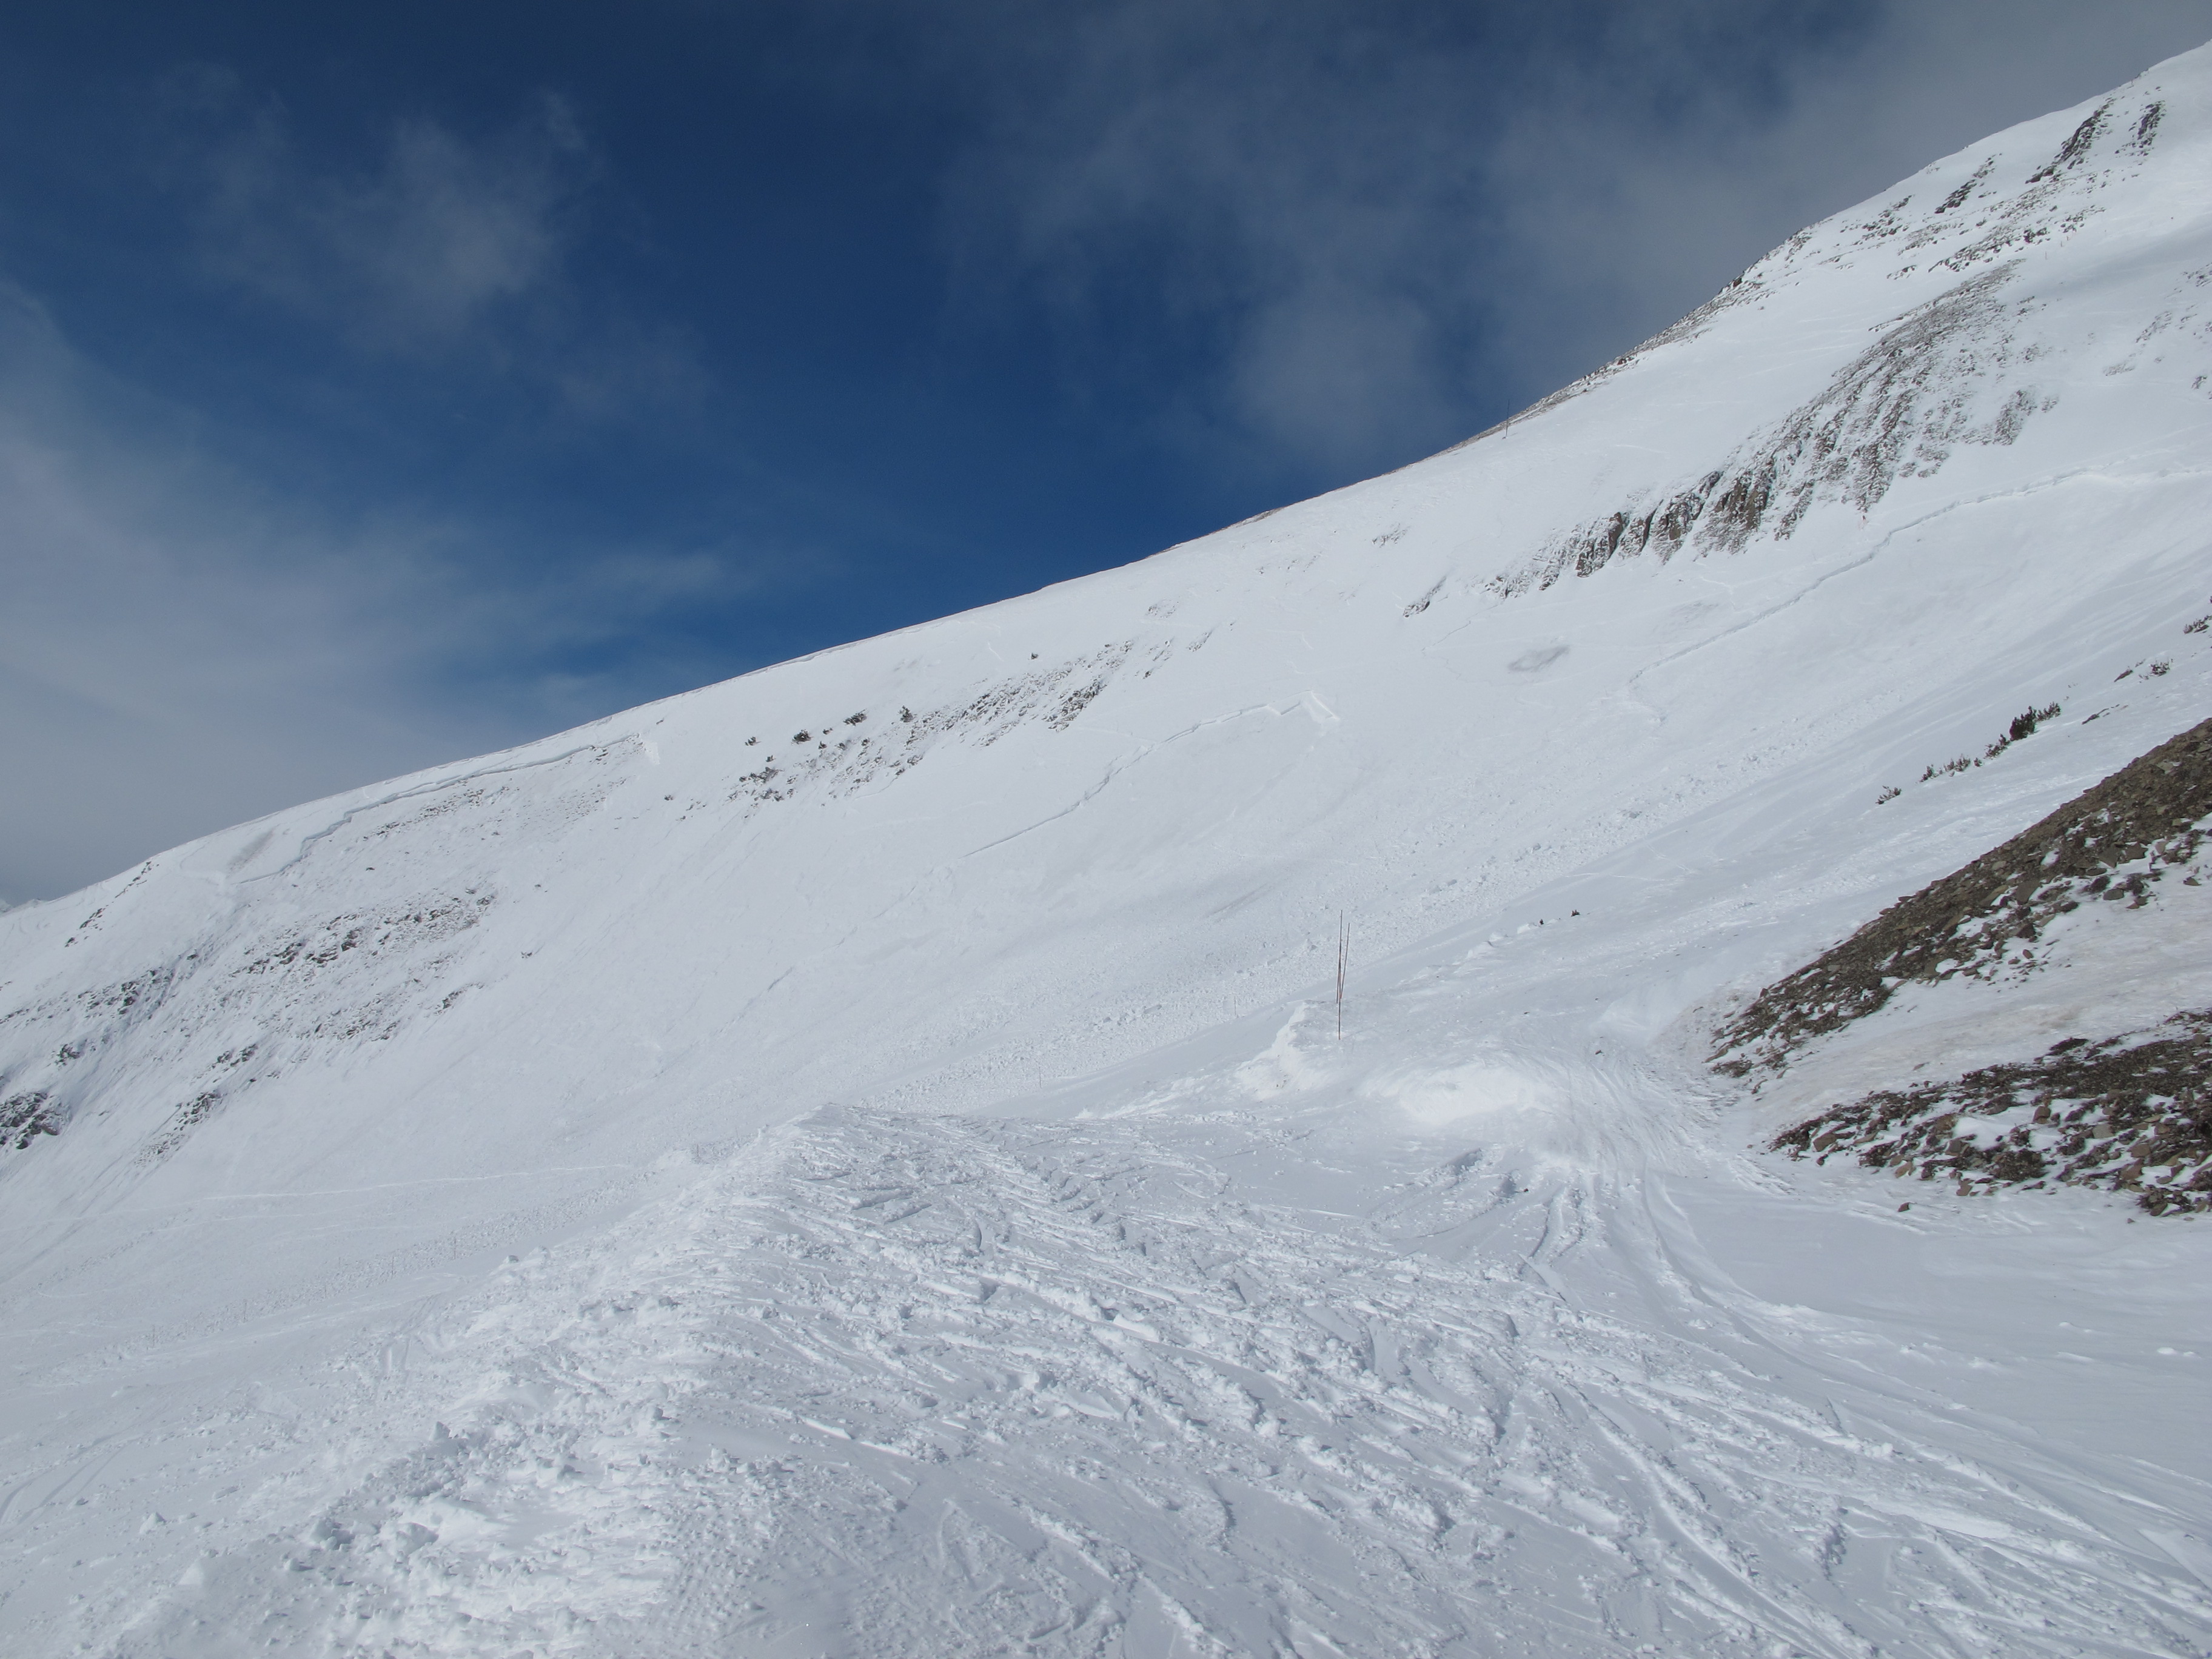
(941, 1213)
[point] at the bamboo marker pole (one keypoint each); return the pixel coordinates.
(1343, 952)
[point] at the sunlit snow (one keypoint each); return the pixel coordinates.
(859, 1160)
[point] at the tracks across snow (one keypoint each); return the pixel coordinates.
(880, 1384)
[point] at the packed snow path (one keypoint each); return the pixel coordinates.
(1206, 1384)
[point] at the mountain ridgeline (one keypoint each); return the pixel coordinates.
(864, 1157)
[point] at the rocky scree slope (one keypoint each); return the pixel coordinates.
(2131, 1112)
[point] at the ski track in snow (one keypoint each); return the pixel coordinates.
(887, 1385)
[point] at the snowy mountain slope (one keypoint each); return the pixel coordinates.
(942, 1217)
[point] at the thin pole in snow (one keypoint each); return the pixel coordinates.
(1343, 952)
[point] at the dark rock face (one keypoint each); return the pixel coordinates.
(2132, 1113)
(1898, 410)
(24, 1115)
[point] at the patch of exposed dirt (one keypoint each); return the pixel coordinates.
(429, 922)
(2131, 1113)
(24, 1115)
(181, 1123)
(841, 765)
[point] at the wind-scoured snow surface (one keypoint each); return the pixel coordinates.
(687, 1187)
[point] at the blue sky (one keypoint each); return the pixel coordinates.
(382, 384)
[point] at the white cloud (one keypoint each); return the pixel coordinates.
(180, 650)
(1621, 206)
(174, 653)
(1365, 221)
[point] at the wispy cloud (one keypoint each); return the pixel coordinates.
(1348, 231)
(181, 648)
(425, 244)
(1626, 196)
(434, 237)
(1286, 194)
